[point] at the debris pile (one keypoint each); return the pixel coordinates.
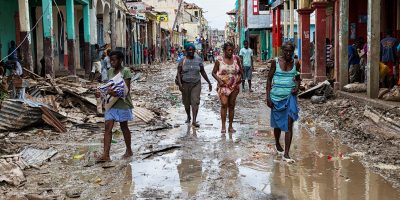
(319, 94)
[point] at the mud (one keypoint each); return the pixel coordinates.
(208, 165)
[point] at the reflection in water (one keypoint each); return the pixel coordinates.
(318, 178)
(160, 174)
(190, 175)
(127, 184)
(256, 179)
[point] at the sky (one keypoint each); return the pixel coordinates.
(215, 11)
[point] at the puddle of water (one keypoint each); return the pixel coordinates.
(318, 176)
(167, 173)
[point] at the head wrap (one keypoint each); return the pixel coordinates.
(189, 45)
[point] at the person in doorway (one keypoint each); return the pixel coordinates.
(12, 51)
(388, 57)
(282, 87)
(120, 111)
(106, 65)
(354, 63)
(96, 62)
(190, 70)
(228, 72)
(246, 55)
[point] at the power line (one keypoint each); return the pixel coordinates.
(27, 35)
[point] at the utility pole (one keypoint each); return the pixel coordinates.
(176, 19)
(113, 28)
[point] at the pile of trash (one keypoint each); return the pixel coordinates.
(390, 94)
(319, 94)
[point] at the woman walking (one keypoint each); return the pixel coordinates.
(228, 71)
(190, 70)
(282, 87)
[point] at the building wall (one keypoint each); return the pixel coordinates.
(257, 21)
(192, 31)
(168, 6)
(7, 24)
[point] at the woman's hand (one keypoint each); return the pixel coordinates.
(98, 95)
(220, 83)
(180, 87)
(269, 102)
(111, 92)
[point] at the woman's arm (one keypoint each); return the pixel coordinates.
(215, 71)
(269, 82)
(204, 74)
(179, 72)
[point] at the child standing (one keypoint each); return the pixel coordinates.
(120, 111)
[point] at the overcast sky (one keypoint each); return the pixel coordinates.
(215, 11)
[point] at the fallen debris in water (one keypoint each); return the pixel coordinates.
(160, 150)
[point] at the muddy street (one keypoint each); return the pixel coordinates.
(197, 163)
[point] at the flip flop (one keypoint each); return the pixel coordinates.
(288, 160)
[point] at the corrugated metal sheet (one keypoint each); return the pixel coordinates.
(17, 114)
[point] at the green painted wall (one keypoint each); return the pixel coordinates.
(7, 24)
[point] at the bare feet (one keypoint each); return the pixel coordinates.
(223, 131)
(127, 155)
(188, 120)
(231, 130)
(279, 149)
(196, 124)
(103, 159)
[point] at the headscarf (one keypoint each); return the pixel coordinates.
(190, 45)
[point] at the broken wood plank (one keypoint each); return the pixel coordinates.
(164, 149)
(50, 119)
(143, 114)
(53, 83)
(32, 73)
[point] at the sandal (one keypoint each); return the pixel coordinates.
(288, 160)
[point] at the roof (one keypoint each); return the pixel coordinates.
(191, 6)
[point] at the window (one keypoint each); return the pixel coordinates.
(263, 7)
(196, 13)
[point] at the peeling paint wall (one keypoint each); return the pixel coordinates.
(7, 24)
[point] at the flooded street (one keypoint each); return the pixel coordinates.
(202, 163)
(244, 166)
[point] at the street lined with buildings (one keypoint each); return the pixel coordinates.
(189, 99)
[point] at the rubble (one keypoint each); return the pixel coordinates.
(11, 167)
(322, 89)
(36, 157)
(391, 95)
(355, 88)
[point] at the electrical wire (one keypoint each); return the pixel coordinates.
(30, 31)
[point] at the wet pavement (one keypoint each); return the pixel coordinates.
(210, 165)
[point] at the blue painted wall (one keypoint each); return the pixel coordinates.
(7, 24)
